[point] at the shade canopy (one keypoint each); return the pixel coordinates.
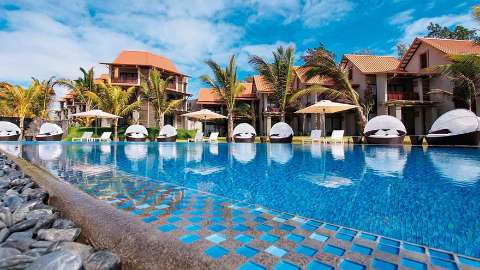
(244, 129)
(138, 129)
(384, 123)
(326, 106)
(282, 130)
(167, 131)
(204, 114)
(51, 129)
(96, 114)
(459, 121)
(9, 128)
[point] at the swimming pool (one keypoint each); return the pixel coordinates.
(425, 196)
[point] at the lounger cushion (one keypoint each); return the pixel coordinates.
(136, 135)
(244, 135)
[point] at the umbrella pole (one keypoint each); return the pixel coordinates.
(323, 126)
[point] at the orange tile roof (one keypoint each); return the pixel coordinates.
(141, 58)
(210, 96)
(105, 78)
(446, 46)
(261, 85)
(372, 63)
(323, 80)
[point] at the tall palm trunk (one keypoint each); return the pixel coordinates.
(21, 124)
(115, 129)
(161, 120)
(282, 116)
(361, 119)
(230, 125)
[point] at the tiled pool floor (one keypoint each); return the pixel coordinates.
(243, 236)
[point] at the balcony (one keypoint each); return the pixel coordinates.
(402, 96)
(123, 80)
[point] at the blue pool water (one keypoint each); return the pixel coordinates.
(425, 196)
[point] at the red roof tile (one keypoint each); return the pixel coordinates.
(323, 80)
(141, 58)
(372, 63)
(210, 96)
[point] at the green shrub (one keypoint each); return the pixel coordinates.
(185, 134)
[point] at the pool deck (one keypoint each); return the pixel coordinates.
(197, 230)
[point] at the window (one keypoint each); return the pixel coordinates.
(350, 74)
(424, 60)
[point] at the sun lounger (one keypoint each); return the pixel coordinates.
(86, 136)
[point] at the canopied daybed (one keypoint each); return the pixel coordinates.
(136, 133)
(244, 133)
(167, 134)
(456, 127)
(281, 132)
(49, 132)
(385, 129)
(9, 131)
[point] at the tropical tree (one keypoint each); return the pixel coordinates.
(81, 86)
(114, 100)
(464, 71)
(226, 84)
(321, 62)
(247, 111)
(45, 96)
(154, 90)
(20, 101)
(278, 75)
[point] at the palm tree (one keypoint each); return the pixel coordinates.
(114, 100)
(278, 75)
(81, 86)
(464, 71)
(321, 62)
(154, 89)
(226, 84)
(45, 97)
(20, 101)
(247, 111)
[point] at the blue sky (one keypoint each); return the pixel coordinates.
(45, 38)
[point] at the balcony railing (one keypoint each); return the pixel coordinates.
(125, 80)
(402, 96)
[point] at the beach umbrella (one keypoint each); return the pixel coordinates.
(326, 106)
(96, 114)
(204, 115)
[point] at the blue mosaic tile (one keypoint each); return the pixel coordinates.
(173, 219)
(216, 238)
(309, 227)
(260, 219)
(295, 237)
(287, 227)
(243, 238)
(216, 252)
(247, 251)
(217, 228)
(348, 231)
(306, 250)
(389, 242)
(413, 248)
(270, 238)
(279, 219)
(344, 237)
(240, 228)
(283, 265)
(331, 227)
(264, 228)
(367, 236)
(440, 255)
(150, 219)
(319, 237)
(195, 219)
(469, 262)
(388, 249)
(276, 251)
(445, 264)
(218, 219)
(157, 212)
(383, 265)
(196, 212)
(361, 249)
(316, 265)
(350, 265)
(189, 238)
(251, 266)
(137, 212)
(238, 219)
(412, 264)
(167, 228)
(334, 250)
(192, 228)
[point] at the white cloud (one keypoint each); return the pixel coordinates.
(401, 17)
(321, 12)
(419, 27)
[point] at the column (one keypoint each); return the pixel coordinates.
(419, 86)
(419, 128)
(398, 112)
(260, 115)
(382, 95)
(269, 124)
